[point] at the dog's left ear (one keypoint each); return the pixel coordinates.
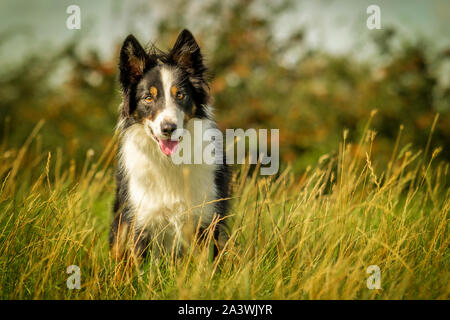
(133, 62)
(186, 54)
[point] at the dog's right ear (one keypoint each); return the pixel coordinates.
(133, 63)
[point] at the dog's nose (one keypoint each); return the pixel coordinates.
(167, 128)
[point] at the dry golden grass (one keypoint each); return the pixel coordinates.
(308, 237)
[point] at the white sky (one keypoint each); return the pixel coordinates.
(335, 26)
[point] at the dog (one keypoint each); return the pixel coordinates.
(161, 206)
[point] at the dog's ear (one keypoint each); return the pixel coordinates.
(134, 61)
(186, 54)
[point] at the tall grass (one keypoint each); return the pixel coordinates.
(307, 237)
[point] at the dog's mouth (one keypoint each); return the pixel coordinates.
(168, 146)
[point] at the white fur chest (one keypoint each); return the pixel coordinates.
(161, 192)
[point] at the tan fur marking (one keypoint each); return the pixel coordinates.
(151, 117)
(120, 244)
(189, 116)
(173, 90)
(153, 91)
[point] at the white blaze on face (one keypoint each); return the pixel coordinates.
(170, 113)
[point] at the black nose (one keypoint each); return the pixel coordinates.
(167, 128)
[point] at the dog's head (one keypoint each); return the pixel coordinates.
(163, 91)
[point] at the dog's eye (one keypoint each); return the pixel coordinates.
(148, 99)
(179, 96)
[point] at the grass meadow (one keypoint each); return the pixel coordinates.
(311, 236)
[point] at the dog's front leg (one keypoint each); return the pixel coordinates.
(119, 237)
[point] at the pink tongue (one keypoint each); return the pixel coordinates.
(168, 147)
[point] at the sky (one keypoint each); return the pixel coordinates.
(332, 25)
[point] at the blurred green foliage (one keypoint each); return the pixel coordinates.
(311, 101)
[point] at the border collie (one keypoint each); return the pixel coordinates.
(161, 206)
